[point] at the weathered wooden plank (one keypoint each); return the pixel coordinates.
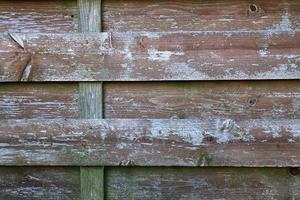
(193, 15)
(91, 96)
(39, 101)
(38, 16)
(90, 15)
(90, 100)
(186, 100)
(39, 183)
(152, 56)
(91, 183)
(202, 183)
(199, 142)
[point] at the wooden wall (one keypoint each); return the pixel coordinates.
(151, 99)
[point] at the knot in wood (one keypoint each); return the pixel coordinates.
(254, 9)
(252, 102)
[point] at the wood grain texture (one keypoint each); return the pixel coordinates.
(90, 100)
(39, 183)
(193, 15)
(38, 16)
(188, 100)
(152, 56)
(90, 15)
(92, 183)
(39, 101)
(91, 96)
(199, 142)
(201, 183)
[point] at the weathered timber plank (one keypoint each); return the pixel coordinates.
(186, 100)
(193, 15)
(199, 142)
(202, 183)
(39, 183)
(92, 183)
(152, 56)
(39, 101)
(38, 16)
(90, 100)
(90, 15)
(91, 178)
(91, 96)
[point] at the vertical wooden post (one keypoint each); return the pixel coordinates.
(91, 95)
(91, 183)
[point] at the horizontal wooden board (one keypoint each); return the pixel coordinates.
(150, 56)
(39, 100)
(202, 183)
(185, 100)
(38, 16)
(39, 183)
(194, 15)
(199, 142)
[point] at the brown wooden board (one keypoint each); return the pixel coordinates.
(39, 183)
(39, 100)
(38, 16)
(202, 183)
(194, 15)
(199, 142)
(187, 100)
(150, 56)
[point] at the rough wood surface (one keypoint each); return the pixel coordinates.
(39, 183)
(194, 15)
(92, 183)
(38, 16)
(202, 183)
(91, 96)
(90, 15)
(151, 56)
(227, 99)
(199, 142)
(90, 100)
(39, 101)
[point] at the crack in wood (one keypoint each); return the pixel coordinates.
(17, 39)
(26, 70)
(110, 40)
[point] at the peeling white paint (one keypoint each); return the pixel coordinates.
(156, 55)
(263, 53)
(285, 24)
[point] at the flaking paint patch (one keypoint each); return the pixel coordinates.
(184, 71)
(263, 52)
(157, 55)
(285, 24)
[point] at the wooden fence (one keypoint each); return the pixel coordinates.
(152, 99)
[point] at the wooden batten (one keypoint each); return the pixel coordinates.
(201, 100)
(201, 183)
(157, 142)
(194, 15)
(152, 56)
(34, 16)
(91, 106)
(35, 183)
